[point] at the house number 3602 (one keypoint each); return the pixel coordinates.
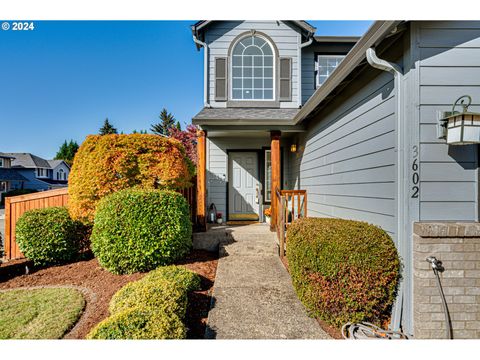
(415, 175)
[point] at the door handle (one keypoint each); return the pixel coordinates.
(256, 194)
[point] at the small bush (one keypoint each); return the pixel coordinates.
(139, 323)
(139, 230)
(159, 295)
(109, 163)
(49, 236)
(178, 275)
(15, 192)
(343, 270)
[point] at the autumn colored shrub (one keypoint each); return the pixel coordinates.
(139, 230)
(108, 163)
(49, 236)
(343, 270)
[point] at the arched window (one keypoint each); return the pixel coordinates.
(253, 69)
(60, 175)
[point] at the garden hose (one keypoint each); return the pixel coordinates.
(368, 331)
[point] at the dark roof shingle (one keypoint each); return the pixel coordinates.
(246, 114)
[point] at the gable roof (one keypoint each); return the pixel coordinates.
(28, 161)
(374, 35)
(55, 163)
(199, 27)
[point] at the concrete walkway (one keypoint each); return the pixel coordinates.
(253, 297)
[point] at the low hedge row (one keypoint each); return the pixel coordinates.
(343, 270)
(49, 236)
(153, 307)
(139, 230)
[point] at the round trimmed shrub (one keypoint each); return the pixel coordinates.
(139, 323)
(106, 164)
(180, 276)
(49, 236)
(139, 230)
(159, 295)
(343, 270)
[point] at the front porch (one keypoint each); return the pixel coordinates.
(243, 172)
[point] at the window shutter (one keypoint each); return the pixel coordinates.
(221, 79)
(285, 79)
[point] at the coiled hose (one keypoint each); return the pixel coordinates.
(368, 331)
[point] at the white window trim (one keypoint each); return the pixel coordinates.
(317, 76)
(45, 171)
(230, 70)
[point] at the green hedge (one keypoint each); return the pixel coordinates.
(139, 230)
(343, 270)
(49, 236)
(139, 323)
(150, 308)
(161, 295)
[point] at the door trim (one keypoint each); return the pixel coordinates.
(227, 182)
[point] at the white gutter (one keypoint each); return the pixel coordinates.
(403, 234)
(206, 102)
(375, 33)
(299, 69)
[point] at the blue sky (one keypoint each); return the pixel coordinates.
(63, 79)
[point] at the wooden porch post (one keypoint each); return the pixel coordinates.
(201, 180)
(275, 158)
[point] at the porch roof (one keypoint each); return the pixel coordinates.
(8, 174)
(245, 116)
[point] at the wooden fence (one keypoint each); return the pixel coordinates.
(15, 206)
(291, 205)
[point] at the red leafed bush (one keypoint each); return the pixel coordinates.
(188, 138)
(343, 270)
(108, 163)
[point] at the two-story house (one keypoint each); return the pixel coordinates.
(359, 124)
(38, 173)
(7, 174)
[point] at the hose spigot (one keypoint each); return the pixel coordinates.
(435, 263)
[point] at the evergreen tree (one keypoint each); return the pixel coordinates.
(179, 127)
(67, 151)
(167, 122)
(107, 128)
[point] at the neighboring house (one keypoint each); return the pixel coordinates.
(40, 174)
(360, 135)
(7, 174)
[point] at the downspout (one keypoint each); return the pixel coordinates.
(299, 68)
(206, 102)
(402, 181)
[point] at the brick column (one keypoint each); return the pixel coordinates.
(457, 245)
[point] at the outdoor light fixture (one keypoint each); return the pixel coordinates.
(293, 148)
(460, 128)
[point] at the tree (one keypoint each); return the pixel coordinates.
(107, 128)
(179, 127)
(139, 132)
(67, 152)
(167, 122)
(188, 138)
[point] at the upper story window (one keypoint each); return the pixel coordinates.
(61, 175)
(252, 69)
(42, 172)
(1, 163)
(325, 66)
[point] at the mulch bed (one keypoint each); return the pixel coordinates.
(101, 285)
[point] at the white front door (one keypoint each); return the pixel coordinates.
(243, 186)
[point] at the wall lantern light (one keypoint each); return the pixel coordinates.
(293, 148)
(460, 128)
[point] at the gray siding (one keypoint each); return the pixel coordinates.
(221, 34)
(449, 66)
(348, 161)
(308, 73)
(217, 165)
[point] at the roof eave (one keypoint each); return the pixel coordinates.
(373, 36)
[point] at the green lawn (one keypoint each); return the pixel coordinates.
(39, 313)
